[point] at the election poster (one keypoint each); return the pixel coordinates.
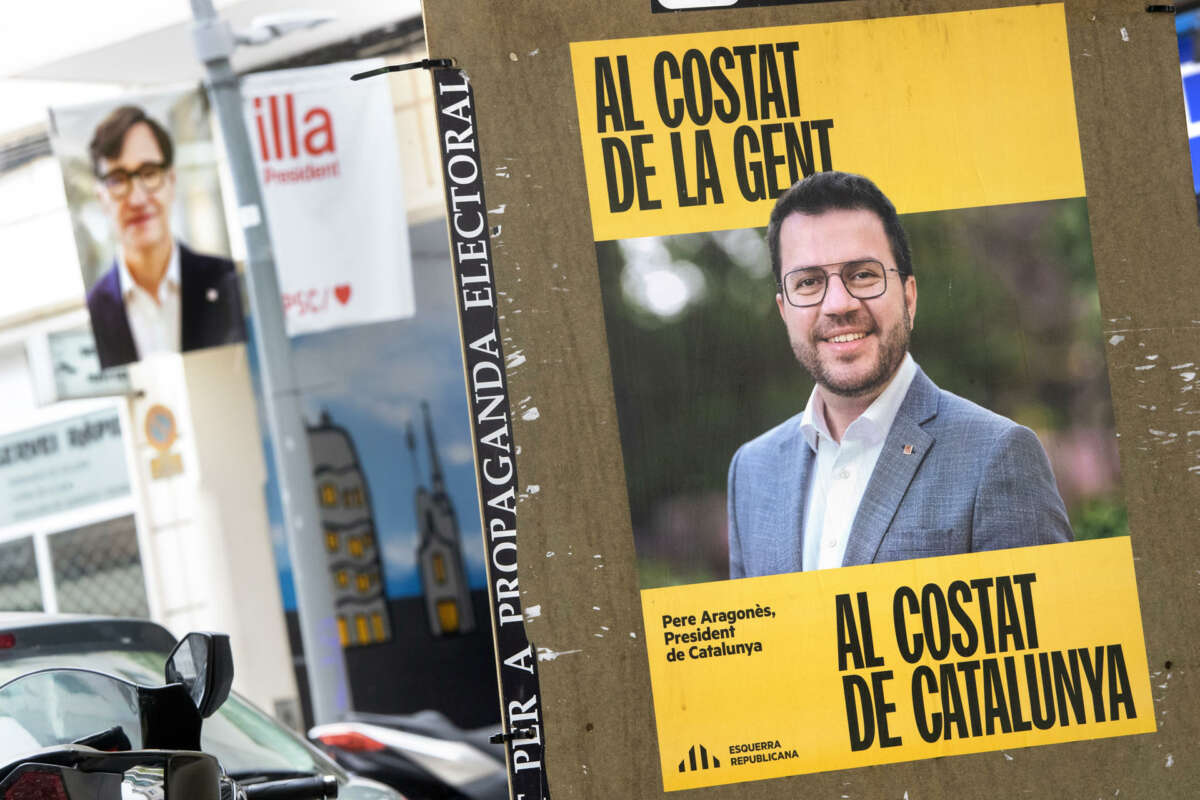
(690, 143)
(144, 196)
(819, 359)
(333, 192)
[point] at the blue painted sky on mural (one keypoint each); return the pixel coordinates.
(371, 380)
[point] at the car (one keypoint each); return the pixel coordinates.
(249, 744)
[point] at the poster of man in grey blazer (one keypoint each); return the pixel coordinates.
(881, 465)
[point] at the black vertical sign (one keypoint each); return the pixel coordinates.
(491, 431)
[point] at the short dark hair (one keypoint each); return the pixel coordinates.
(826, 191)
(109, 136)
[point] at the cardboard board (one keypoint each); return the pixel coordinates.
(579, 562)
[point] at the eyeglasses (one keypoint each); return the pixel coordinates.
(863, 280)
(150, 175)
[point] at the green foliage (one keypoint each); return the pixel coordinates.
(656, 572)
(1100, 518)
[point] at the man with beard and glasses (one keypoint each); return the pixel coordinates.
(881, 465)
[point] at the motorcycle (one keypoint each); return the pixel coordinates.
(78, 734)
(424, 755)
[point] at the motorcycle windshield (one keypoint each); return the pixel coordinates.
(61, 706)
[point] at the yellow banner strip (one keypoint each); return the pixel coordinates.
(815, 671)
(701, 131)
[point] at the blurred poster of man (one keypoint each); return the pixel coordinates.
(881, 465)
(158, 296)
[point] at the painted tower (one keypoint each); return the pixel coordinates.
(351, 543)
(439, 548)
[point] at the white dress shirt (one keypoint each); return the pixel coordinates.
(153, 320)
(841, 470)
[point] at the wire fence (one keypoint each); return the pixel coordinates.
(19, 587)
(98, 570)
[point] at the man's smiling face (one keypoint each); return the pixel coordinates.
(851, 347)
(141, 216)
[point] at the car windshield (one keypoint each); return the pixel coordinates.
(243, 739)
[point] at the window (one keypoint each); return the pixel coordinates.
(19, 587)
(97, 570)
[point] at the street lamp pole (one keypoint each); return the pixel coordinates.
(324, 659)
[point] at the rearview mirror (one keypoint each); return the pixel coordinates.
(203, 663)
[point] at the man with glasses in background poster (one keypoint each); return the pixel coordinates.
(881, 465)
(159, 296)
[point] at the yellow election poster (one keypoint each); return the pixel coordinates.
(699, 132)
(855, 340)
(880, 663)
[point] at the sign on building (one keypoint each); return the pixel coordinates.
(65, 366)
(62, 466)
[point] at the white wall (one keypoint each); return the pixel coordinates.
(208, 534)
(17, 400)
(37, 246)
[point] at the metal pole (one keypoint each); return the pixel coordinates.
(325, 662)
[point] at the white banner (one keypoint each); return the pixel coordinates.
(327, 162)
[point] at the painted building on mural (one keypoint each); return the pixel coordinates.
(351, 543)
(439, 548)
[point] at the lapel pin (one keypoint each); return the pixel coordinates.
(211, 295)
(908, 449)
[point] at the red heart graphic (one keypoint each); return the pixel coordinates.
(342, 293)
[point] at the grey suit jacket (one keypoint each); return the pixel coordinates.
(973, 481)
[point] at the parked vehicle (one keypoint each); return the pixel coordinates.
(250, 746)
(423, 755)
(78, 734)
